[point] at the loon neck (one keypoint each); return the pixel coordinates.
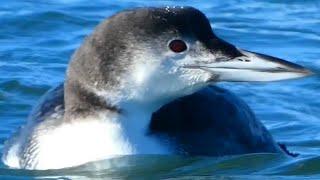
(80, 101)
(132, 108)
(83, 101)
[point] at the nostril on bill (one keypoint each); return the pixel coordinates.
(244, 60)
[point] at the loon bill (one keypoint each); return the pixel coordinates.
(133, 64)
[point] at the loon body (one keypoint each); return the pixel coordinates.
(139, 85)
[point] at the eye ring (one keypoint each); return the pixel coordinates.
(177, 46)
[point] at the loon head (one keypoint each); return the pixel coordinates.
(153, 53)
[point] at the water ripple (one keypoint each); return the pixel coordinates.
(38, 38)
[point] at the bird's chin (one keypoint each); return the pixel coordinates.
(213, 79)
(194, 88)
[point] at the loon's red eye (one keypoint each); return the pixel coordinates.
(177, 46)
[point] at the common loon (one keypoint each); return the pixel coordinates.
(139, 85)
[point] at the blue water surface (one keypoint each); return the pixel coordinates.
(37, 38)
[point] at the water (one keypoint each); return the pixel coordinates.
(37, 39)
